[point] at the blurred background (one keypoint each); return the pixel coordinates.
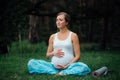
(95, 21)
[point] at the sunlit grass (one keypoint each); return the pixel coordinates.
(13, 66)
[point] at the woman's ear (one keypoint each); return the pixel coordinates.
(66, 23)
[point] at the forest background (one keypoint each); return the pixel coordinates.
(95, 21)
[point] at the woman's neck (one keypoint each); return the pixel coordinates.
(63, 30)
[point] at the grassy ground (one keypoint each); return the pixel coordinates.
(13, 66)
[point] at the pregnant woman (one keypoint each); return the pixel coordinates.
(63, 50)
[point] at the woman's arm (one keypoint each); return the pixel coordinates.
(76, 47)
(50, 47)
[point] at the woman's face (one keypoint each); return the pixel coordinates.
(61, 22)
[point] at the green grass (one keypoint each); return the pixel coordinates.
(13, 66)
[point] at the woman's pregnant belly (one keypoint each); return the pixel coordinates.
(62, 60)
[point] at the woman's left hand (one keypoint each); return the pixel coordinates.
(61, 66)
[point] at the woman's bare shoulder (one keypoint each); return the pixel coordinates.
(52, 36)
(74, 34)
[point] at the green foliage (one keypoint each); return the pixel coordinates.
(89, 46)
(26, 47)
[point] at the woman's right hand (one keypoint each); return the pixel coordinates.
(58, 53)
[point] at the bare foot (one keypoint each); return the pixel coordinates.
(60, 74)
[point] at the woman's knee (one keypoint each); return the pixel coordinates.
(30, 61)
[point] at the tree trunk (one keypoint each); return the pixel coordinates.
(47, 29)
(34, 29)
(104, 34)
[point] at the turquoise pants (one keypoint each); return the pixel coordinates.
(44, 67)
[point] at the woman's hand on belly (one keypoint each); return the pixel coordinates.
(59, 53)
(60, 66)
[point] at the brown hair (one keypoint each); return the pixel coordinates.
(67, 16)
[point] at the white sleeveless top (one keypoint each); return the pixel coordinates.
(67, 48)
